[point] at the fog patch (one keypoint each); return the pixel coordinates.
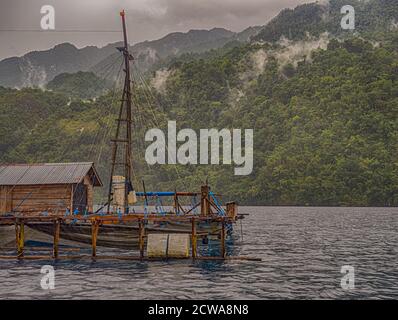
(159, 81)
(323, 2)
(34, 76)
(235, 95)
(146, 57)
(255, 62)
(295, 51)
(259, 59)
(393, 25)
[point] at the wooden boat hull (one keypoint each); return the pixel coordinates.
(125, 236)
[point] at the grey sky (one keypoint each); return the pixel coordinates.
(146, 19)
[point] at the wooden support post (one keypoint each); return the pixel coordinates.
(223, 237)
(17, 235)
(204, 201)
(94, 234)
(193, 238)
(232, 210)
(57, 228)
(141, 238)
(72, 193)
(176, 204)
(20, 237)
(181, 208)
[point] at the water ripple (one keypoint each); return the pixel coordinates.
(303, 250)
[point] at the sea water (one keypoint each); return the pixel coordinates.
(303, 252)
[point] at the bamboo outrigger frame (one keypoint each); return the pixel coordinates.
(230, 216)
(97, 221)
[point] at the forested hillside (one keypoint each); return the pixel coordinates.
(84, 85)
(324, 113)
(313, 19)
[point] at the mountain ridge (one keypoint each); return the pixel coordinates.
(36, 68)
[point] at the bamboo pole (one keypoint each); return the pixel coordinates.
(83, 257)
(204, 201)
(20, 237)
(57, 227)
(141, 238)
(35, 249)
(176, 204)
(223, 238)
(94, 233)
(17, 235)
(193, 235)
(112, 219)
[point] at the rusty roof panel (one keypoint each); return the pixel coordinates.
(47, 173)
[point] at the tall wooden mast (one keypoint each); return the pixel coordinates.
(124, 119)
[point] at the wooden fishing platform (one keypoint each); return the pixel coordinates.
(57, 199)
(96, 222)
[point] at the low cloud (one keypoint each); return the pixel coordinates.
(146, 19)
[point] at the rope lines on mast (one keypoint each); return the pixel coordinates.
(147, 91)
(126, 111)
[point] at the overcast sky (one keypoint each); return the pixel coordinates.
(146, 20)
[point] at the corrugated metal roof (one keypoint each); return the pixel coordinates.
(47, 173)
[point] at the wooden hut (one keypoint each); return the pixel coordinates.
(49, 187)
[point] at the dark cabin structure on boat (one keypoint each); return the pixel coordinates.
(47, 188)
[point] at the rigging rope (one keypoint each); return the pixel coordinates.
(148, 94)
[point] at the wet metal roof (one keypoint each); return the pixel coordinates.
(47, 173)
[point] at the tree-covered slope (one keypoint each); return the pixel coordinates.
(85, 85)
(20, 113)
(313, 19)
(325, 130)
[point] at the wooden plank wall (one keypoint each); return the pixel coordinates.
(37, 199)
(40, 198)
(5, 199)
(90, 193)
